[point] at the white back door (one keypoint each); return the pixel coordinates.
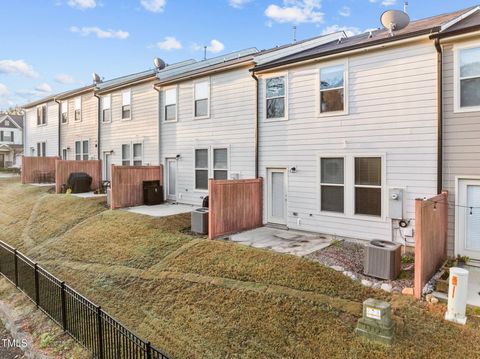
(277, 195)
(171, 179)
(468, 219)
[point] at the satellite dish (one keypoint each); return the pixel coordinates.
(159, 63)
(394, 20)
(96, 78)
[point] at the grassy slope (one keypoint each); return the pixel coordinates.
(206, 299)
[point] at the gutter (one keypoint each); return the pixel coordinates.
(59, 126)
(256, 122)
(98, 125)
(438, 47)
(127, 84)
(159, 125)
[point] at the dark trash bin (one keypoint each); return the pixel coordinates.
(79, 182)
(152, 193)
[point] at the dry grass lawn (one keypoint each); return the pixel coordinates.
(197, 298)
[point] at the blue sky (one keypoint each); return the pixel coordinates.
(49, 46)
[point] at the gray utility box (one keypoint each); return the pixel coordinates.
(383, 259)
(200, 220)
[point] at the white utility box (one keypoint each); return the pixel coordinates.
(457, 295)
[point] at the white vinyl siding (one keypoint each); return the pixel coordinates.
(46, 133)
(126, 105)
(106, 108)
(392, 114)
(202, 99)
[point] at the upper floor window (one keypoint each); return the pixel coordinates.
(78, 109)
(64, 110)
(81, 150)
(202, 99)
(275, 95)
(126, 106)
(332, 89)
(106, 108)
(7, 123)
(468, 93)
(42, 115)
(171, 104)
(6, 136)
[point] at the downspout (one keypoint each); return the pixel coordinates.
(59, 126)
(256, 122)
(98, 126)
(438, 47)
(159, 125)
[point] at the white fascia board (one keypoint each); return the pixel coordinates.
(459, 18)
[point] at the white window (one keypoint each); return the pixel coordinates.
(275, 89)
(132, 154)
(78, 109)
(368, 186)
(42, 115)
(126, 106)
(6, 136)
(202, 99)
(220, 163)
(64, 111)
(106, 109)
(170, 111)
(467, 85)
(64, 154)
(7, 123)
(332, 184)
(41, 149)
(201, 169)
(332, 89)
(81, 150)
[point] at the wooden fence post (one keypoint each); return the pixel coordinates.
(418, 249)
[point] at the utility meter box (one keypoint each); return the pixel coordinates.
(395, 203)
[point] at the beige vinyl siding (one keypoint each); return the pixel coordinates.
(86, 129)
(392, 113)
(141, 128)
(231, 125)
(461, 133)
(46, 133)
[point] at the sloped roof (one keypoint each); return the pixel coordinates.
(470, 23)
(18, 119)
(425, 26)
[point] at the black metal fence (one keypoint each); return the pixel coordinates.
(86, 322)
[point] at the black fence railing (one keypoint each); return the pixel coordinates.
(86, 322)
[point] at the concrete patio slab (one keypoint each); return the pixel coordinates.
(42, 184)
(162, 210)
(283, 240)
(88, 195)
(9, 175)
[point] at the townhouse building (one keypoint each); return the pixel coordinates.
(11, 140)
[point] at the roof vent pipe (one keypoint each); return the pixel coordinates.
(405, 7)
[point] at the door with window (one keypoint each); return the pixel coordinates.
(171, 179)
(2, 160)
(468, 219)
(277, 195)
(107, 165)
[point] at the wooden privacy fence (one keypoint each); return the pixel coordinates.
(38, 169)
(234, 206)
(127, 184)
(63, 169)
(431, 225)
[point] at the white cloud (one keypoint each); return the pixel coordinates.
(64, 79)
(389, 2)
(345, 11)
(82, 4)
(214, 47)
(349, 30)
(44, 88)
(296, 11)
(17, 67)
(101, 34)
(154, 5)
(169, 43)
(4, 90)
(238, 4)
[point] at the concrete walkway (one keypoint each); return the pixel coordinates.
(283, 241)
(88, 195)
(162, 210)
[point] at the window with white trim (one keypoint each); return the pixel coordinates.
(132, 154)
(137, 154)
(220, 163)
(42, 115)
(78, 109)
(170, 111)
(41, 149)
(469, 78)
(126, 155)
(81, 150)
(64, 111)
(64, 154)
(332, 184)
(7, 123)
(275, 97)
(202, 98)
(106, 113)
(201, 169)
(368, 186)
(126, 106)
(332, 89)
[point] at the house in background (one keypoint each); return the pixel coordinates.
(460, 51)
(348, 130)
(11, 140)
(78, 128)
(41, 128)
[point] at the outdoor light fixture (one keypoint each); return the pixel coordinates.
(177, 157)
